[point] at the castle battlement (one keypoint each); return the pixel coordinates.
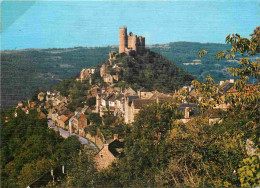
(130, 43)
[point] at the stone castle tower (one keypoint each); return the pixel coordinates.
(131, 43)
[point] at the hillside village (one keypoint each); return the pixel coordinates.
(121, 104)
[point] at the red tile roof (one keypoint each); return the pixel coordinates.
(63, 118)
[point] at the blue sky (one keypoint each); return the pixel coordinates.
(61, 24)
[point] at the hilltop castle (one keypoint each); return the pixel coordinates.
(130, 44)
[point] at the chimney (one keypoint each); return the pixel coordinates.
(106, 146)
(187, 113)
(139, 94)
(115, 136)
(231, 80)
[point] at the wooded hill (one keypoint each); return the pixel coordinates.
(149, 70)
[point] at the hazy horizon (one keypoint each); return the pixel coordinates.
(66, 24)
(112, 45)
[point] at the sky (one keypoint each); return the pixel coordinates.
(64, 24)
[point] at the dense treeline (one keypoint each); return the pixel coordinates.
(29, 148)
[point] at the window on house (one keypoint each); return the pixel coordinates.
(101, 155)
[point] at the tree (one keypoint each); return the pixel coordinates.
(249, 95)
(146, 149)
(91, 101)
(245, 103)
(207, 95)
(249, 171)
(69, 149)
(94, 118)
(244, 47)
(81, 170)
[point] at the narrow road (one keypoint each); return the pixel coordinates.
(66, 134)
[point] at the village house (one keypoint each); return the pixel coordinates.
(108, 78)
(63, 117)
(41, 115)
(115, 77)
(58, 100)
(111, 151)
(112, 89)
(50, 96)
(86, 73)
(103, 69)
(83, 123)
(54, 115)
(129, 91)
(119, 105)
(162, 97)
(137, 105)
(225, 87)
(73, 123)
(144, 93)
(21, 107)
(78, 123)
(99, 98)
(20, 104)
(47, 105)
(107, 103)
(61, 121)
(128, 111)
(104, 101)
(186, 108)
(41, 96)
(165, 98)
(111, 100)
(94, 91)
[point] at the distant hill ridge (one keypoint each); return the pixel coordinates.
(23, 71)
